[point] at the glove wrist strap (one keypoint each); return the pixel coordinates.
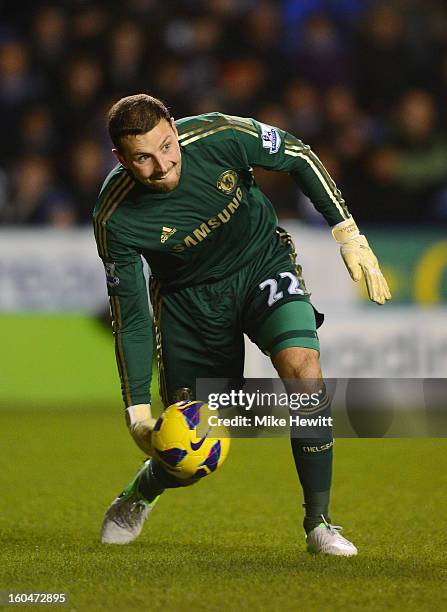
(346, 230)
(137, 413)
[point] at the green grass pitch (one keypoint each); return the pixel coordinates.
(234, 541)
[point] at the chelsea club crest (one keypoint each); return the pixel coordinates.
(227, 181)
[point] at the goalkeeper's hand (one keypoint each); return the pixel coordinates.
(360, 260)
(141, 424)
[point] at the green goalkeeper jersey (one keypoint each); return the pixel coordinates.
(214, 222)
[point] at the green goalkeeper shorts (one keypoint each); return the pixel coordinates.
(199, 330)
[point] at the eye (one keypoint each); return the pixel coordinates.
(166, 146)
(142, 158)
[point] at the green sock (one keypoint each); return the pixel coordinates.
(313, 461)
(153, 480)
(316, 504)
(149, 484)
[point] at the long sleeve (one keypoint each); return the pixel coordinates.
(131, 319)
(274, 149)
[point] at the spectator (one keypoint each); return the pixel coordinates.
(321, 56)
(381, 59)
(37, 199)
(304, 109)
(19, 86)
(87, 169)
(127, 56)
(241, 84)
(49, 40)
(36, 133)
(420, 162)
(364, 82)
(82, 86)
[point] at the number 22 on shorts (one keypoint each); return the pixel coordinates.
(272, 284)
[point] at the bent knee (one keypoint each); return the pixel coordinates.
(298, 362)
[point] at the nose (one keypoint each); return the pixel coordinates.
(161, 166)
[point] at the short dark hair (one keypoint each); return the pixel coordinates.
(136, 114)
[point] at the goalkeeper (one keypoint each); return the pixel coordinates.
(183, 197)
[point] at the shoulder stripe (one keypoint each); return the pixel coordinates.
(296, 147)
(240, 120)
(224, 120)
(123, 181)
(323, 176)
(120, 195)
(196, 127)
(111, 194)
(222, 128)
(117, 194)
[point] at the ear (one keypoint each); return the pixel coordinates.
(119, 157)
(174, 127)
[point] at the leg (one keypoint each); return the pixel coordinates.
(298, 362)
(197, 337)
(289, 336)
(298, 367)
(193, 341)
(283, 323)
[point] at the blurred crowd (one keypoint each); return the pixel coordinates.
(363, 82)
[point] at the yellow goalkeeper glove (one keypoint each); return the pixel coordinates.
(141, 424)
(360, 260)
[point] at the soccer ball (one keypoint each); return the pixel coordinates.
(183, 452)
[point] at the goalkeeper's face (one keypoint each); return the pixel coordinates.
(154, 158)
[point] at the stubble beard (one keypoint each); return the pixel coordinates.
(166, 187)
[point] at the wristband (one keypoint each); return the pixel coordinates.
(346, 230)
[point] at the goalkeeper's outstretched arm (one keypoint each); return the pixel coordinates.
(275, 149)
